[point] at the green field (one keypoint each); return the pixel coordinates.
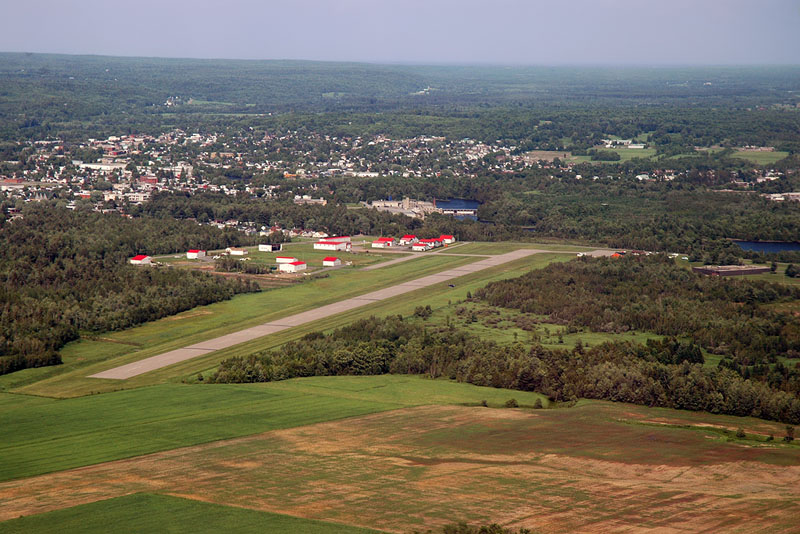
(760, 158)
(492, 249)
(142, 512)
(44, 435)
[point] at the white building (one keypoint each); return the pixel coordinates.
(383, 242)
(331, 261)
(236, 251)
(421, 247)
(285, 259)
(194, 254)
(327, 244)
(141, 259)
(292, 267)
(269, 248)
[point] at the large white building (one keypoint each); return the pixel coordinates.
(141, 259)
(236, 251)
(195, 254)
(331, 261)
(327, 244)
(292, 267)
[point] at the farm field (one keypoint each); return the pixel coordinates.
(43, 435)
(142, 512)
(594, 468)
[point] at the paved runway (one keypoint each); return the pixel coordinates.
(204, 347)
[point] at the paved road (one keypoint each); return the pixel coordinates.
(204, 347)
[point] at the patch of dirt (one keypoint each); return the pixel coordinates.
(555, 471)
(194, 313)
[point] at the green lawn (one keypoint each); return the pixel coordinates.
(491, 249)
(44, 435)
(143, 512)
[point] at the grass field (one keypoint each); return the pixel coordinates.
(597, 467)
(142, 512)
(492, 249)
(760, 158)
(43, 435)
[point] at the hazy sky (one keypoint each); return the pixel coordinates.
(414, 31)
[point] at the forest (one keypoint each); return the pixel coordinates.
(64, 273)
(725, 316)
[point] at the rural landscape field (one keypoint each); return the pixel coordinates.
(400, 267)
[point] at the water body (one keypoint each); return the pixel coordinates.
(768, 246)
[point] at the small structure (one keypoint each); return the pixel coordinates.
(731, 270)
(195, 254)
(421, 247)
(141, 259)
(292, 267)
(285, 259)
(383, 242)
(433, 242)
(447, 239)
(233, 251)
(408, 240)
(327, 244)
(331, 261)
(270, 247)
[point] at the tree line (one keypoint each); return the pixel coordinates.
(664, 374)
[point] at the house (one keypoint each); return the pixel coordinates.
(270, 248)
(421, 247)
(236, 251)
(383, 242)
(327, 244)
(331, 261)
(408, 240)
(194, 254)
(285, 259)
(292, 267)
(447, 239)
(141, 259)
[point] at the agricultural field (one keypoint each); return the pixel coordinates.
(143, 512)
(594, 467)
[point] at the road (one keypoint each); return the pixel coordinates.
(204, 347)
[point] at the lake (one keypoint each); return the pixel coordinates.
(768, 246)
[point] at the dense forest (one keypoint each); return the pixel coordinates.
(657, 374)
(725, 316)
(63, 272)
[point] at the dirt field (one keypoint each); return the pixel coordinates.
(599, 468)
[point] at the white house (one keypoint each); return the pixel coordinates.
(408, 240)
(141, 259)
(292, 267)
(269, 248)
(447, 239)
(285, 259)
(236, 251)
(331, 261)
(420, 247)
(327, 244)
(194, 254)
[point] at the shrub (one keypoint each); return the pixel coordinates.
(512, 403)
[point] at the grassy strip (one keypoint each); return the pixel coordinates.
(143, 512)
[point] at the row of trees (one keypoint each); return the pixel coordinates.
(63, 272)
(660, 374)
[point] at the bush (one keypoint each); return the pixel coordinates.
(538, 404)
(740, 433)
(512, 403)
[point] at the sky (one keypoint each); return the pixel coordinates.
(532, 32)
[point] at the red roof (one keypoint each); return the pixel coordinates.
(140, 257)
(330, 258)
(193, 250)
(445, 236)
(384, 239)
(330, 243)
(297, 263)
